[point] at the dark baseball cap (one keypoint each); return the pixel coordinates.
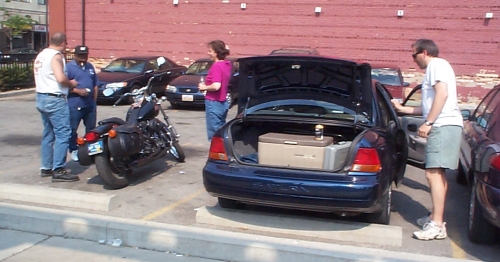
(81, 50)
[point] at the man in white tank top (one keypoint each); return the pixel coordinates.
(52, 87)
(442, 128)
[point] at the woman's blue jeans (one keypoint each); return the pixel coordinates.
(216, 113)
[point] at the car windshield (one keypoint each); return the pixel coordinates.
(386, 76)
(126, 66)
(308, 109)
(199, 68)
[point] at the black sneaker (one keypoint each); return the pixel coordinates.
(60, 175)
(45, 172)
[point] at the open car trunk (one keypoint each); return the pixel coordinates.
(289, 144)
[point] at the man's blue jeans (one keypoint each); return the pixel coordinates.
(56, 130)
(88, 115)
(216, 113)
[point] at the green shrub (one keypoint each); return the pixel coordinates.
(16, 74)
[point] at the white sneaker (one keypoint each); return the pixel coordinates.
(423, 220)
(74, 155)
(431, 231)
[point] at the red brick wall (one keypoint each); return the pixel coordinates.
(367, 30)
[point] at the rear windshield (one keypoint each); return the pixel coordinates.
(307, 109)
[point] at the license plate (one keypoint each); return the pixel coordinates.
(95, 148)
(187, 97)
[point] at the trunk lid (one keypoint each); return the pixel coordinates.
(268, 78)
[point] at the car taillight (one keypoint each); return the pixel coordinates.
(91, 137)
(217, 149)
(495, 161)
(366, 160)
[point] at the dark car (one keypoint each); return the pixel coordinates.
(480, 167)
(311, 133)
(183, 91)
(19, 54)
(128, 73)
(293, 50)
(392, 78)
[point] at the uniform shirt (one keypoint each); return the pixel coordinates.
(45, 79)
(86, 78)
(219, 72)
(439, 70)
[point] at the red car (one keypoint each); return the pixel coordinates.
(390, 76)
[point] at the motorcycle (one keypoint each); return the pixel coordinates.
(117, 146)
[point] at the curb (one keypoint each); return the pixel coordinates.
(354, 232)
(20, 92)
(199, 242)
(51, 196)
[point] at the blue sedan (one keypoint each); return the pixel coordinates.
(183, 91)
(312, 133)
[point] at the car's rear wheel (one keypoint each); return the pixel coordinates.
(229, 203)
(383, 216)
(479, 230)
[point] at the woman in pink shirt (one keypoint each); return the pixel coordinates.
(216, 84)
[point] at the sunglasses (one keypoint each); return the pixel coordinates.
(416, 54)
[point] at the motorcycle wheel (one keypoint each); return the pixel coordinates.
(177, 152)
(114, 180)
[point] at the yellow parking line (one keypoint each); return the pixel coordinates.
(160, 212)
(456, 250)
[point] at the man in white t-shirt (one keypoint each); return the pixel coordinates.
(52, 87)
(442, 128)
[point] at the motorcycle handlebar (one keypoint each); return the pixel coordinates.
(143, 89)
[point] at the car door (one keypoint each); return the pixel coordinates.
(410, 124)
(475, 139)
(233, 82)
(390, 120)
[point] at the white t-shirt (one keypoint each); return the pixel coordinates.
(45, 79)
(439, 70)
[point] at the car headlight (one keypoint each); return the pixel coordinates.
(171, 89)
(116, 86)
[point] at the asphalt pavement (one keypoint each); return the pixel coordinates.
(161, 209)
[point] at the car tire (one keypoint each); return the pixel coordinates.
(461, 177)
(130, 100)
(174, 105)
(479, 229)
(229, 99)
(229, 203)
(384, 216)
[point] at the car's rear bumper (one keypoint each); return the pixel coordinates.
(489, 197)
(198, 99)
(266, 187)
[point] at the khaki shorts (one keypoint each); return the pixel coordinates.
(443, 147)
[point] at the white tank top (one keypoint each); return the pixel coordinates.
(45, 79)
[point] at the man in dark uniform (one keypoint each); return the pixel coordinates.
(82, 100)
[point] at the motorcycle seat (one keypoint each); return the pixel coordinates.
(112, 120)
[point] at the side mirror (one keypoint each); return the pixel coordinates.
(465, 114)
(406, 84)
(108, 91)
(160, 61)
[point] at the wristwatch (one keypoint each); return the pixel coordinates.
(428, 123)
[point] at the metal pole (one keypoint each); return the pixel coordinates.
(83, 22)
